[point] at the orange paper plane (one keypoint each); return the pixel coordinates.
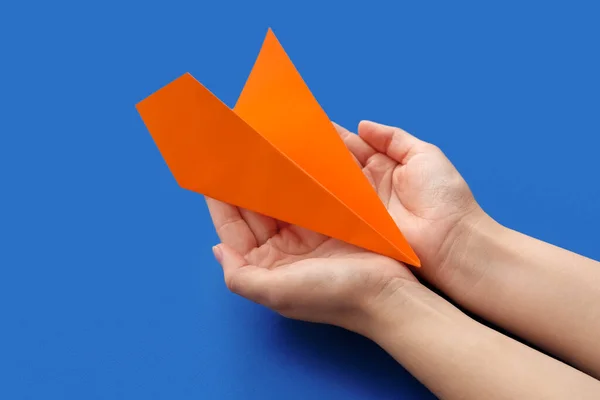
(275, 153)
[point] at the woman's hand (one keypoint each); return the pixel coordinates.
(427, 197)
(299, 273)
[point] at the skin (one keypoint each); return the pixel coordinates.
(544, 294)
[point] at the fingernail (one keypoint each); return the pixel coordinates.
(218, 253)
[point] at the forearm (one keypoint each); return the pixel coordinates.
(458, 358)
(545, 294)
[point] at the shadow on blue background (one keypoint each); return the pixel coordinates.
(348, 359)
(108, 288)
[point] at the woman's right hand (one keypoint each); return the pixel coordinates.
(427, 197)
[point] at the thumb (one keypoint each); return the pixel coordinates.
(247, 280)
(394, 142)
(229, 259)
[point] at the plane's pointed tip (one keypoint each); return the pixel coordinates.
(409, 258)
(407, 255)
(415, 262)
(412, 258)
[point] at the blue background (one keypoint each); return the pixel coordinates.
(108, 288)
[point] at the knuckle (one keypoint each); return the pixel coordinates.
(397, 132)
(433, 148)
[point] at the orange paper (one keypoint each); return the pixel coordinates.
(276, 153)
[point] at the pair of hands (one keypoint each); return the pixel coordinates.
(308, 276)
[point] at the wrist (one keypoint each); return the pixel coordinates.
(468, 250)
(402, 303)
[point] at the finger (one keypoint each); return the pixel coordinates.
(263, 228)
(394, 142)
(247, 280)
(378, 170)
(361, 150)
(232, 229)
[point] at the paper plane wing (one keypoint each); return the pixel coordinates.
(278, 104)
